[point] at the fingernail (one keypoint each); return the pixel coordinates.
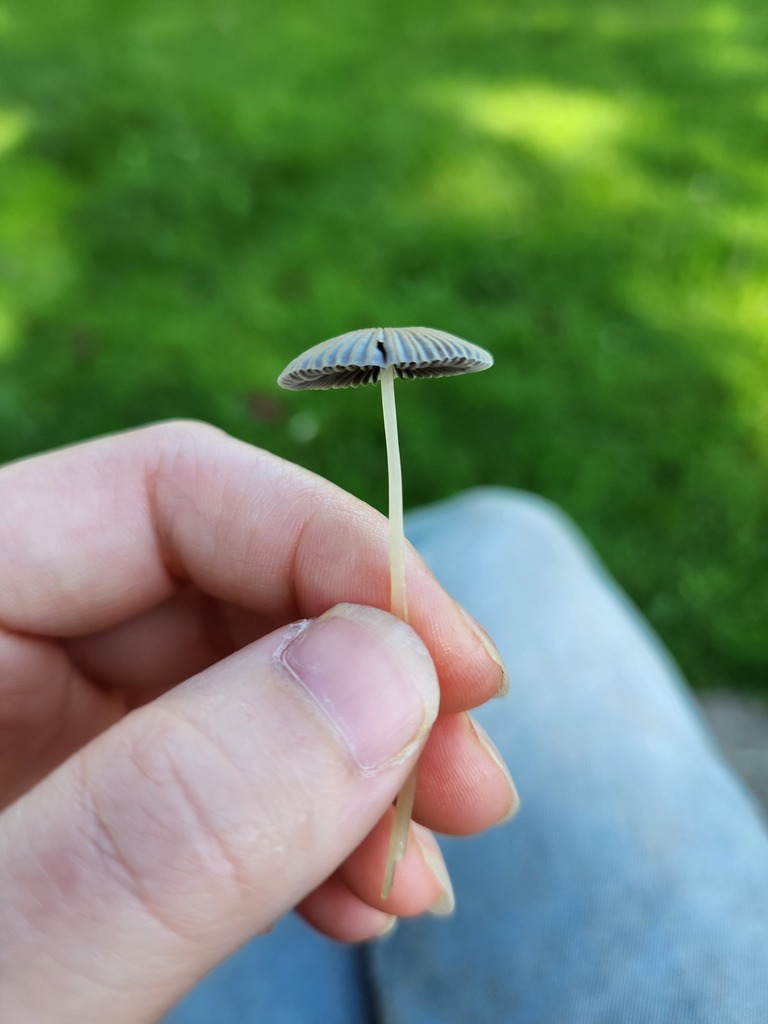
(491, 650)
(371, 676)
(388, 928)
(445, 903)
(493, 753)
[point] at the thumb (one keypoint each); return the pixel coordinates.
(202, 817)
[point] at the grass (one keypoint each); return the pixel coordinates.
(193, 193)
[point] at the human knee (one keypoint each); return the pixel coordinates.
(503, 510)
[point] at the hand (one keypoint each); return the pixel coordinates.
(180, 761)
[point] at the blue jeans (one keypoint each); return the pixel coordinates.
(632, 887)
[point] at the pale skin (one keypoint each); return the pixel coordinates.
(156, 572)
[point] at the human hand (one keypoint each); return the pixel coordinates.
(180, 762)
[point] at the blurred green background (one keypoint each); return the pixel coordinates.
(192, 193)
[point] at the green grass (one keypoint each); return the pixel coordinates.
(192, 193)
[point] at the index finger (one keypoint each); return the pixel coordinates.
(96, 534)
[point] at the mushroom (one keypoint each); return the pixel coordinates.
(363, 357)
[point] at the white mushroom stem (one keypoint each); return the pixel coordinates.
(398, 606)
(398, 837)
(398, 601)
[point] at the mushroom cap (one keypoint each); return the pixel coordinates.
(359, 356)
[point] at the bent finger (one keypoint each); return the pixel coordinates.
(421, 881)
(463, 784)
(335, 911)
(141, 515)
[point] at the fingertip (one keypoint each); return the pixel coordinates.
(464, 785)
(495, 667)
(335, 911)
(492, 752)
(444, 902)
(469, 665)
(421, 880)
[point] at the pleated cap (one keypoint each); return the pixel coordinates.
(359, 356)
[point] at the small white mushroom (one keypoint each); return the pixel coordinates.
(363, 357)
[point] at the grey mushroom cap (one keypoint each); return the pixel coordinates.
(359, 356)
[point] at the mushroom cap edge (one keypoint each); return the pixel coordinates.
(357, 358)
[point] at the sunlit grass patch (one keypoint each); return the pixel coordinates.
(559, 123)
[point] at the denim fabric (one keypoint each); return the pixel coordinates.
(632, 888)
(291, 976)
